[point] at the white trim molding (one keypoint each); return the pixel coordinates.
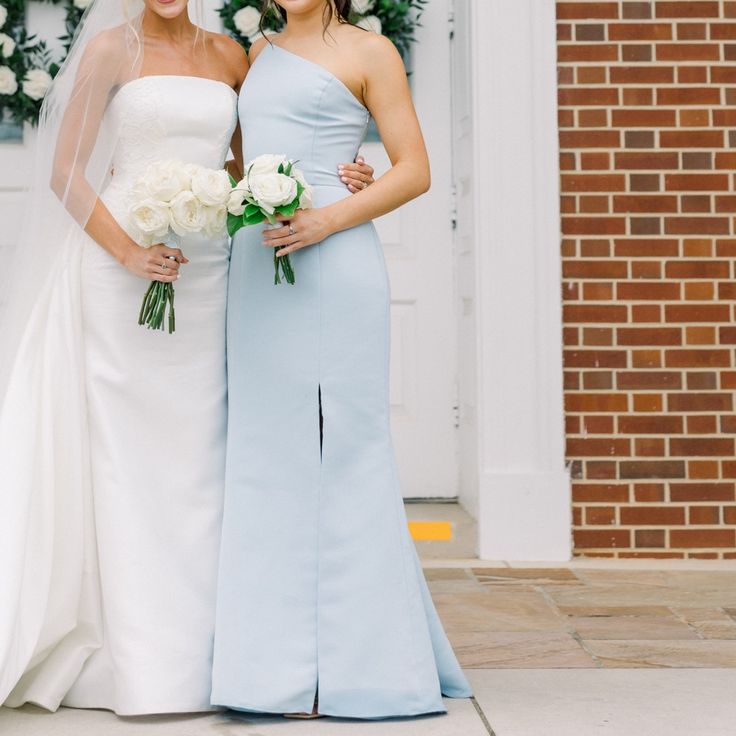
(523, 487)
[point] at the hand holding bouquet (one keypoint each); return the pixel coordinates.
(272, 186)
(169, 200)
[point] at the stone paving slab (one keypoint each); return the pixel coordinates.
(541, 617)
(517, 649)
(608, 702)
(462, 719)
(661, 653)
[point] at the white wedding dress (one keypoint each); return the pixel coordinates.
(119, 460)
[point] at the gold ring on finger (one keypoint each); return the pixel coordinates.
(291, 229)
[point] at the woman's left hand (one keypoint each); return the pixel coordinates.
(303, 228)
(356, 176)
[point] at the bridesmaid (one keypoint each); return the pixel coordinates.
(322, 605)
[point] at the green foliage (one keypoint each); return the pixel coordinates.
(31, 52)
(399, 19)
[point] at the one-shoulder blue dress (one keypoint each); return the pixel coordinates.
(320, 588)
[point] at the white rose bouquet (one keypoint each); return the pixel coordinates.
(169, 200)
(272, 186)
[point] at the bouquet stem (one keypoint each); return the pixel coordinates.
(157, 298)
(282, 265)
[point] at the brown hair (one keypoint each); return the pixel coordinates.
(339, 8)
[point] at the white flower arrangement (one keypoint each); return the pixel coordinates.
(170, 200)
(248, 21)
(396, 19)
(36, 83)
(363, 6)
(370, 23)
(8, 81)
(7, 45)
(29, 65)
(272, 186)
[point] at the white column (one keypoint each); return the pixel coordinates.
(524, 505)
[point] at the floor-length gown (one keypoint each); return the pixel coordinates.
(156, 412)
(320, 588)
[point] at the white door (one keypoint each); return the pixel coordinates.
(465, 249)
(418, 246)
(417, 242)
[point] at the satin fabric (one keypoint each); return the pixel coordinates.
(114, 437)
(320, 589)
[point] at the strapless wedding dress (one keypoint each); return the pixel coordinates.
(118, 610)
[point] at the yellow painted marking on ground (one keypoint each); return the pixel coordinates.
(431, 531)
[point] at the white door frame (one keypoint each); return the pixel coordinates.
(510, 287)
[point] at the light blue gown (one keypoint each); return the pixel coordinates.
(320, 587)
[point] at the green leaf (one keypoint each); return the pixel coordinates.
(255, 219)
(253, 209)
(234, 223)
(287, 210)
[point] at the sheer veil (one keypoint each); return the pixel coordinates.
(49, 588)
(73, 152)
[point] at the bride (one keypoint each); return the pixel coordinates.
(112, 437)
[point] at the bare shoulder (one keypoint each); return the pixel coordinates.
(231, 53)
(259, 44)
(372, 50)
(108, 42)
(106, 54)
(225, 45)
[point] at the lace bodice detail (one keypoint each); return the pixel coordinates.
(156, 118)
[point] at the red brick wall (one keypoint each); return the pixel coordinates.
(647, 106)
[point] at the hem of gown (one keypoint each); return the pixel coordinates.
(144, 709)
(331, 712)
(458, 694)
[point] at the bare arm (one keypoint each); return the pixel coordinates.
(388, 98)
(239, 66)
(98, 75)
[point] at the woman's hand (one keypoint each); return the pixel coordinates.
(157, 263)
(356, 176)
(303, 228)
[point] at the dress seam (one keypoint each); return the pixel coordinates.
(319, 388)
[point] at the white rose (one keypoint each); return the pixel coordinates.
(370, 23)
(163, 181)
(247, 20)
(187, 214)
(270, 191)
(7, 45)
(237, 201)
(268, 163)
(3, 15)
(36, 83)
(151, 218)
(305, 201)
(211, 187)
(189, 171)
(215, 219)
(8, 81)
(82, 4)
(362, 6)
